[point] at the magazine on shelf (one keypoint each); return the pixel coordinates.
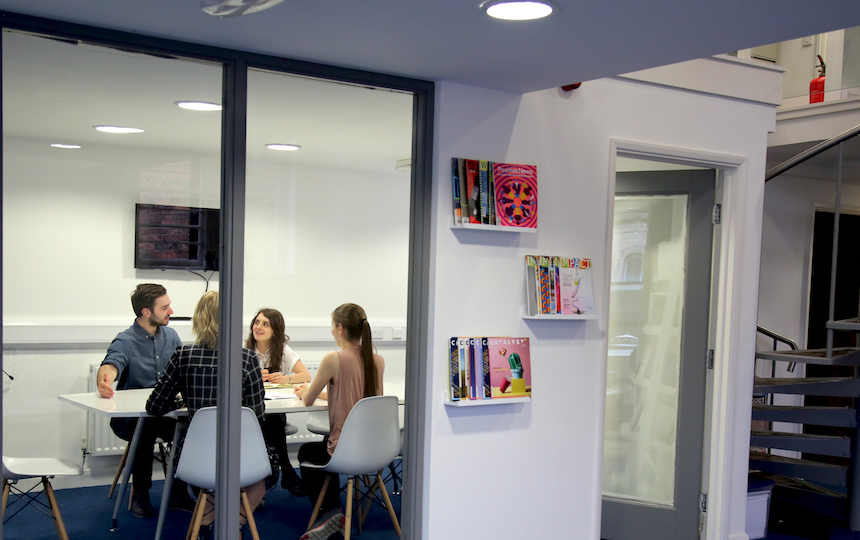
(464, 195)
(516, 194)
(455, 177)
(454, 369)
(500, 367)
(532, 299)
(558, 286)
(484, 192)
(544, 287)
(510, 367)
(577, 293)
(486, 391)
(473, 190)
(484, 177)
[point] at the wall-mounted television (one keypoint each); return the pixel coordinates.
(176, 237)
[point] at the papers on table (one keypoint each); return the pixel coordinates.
(275, 385)
(270, 394)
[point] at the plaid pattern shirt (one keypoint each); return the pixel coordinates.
(193, 371)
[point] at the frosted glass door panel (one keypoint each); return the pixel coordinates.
(646, 311)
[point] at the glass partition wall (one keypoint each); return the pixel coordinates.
(324, 224)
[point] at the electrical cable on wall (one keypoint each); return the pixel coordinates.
(206, 279)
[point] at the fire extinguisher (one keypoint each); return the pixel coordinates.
(816, 87)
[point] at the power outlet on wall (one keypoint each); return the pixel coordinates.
(376, 334)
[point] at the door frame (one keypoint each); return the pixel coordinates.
(729, 385)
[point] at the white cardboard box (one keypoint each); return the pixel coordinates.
(758, 506)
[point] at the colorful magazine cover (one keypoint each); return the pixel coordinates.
(455, 176)
(577, 294)
(483, 175)
(544, 290)
(532, 299)
(516, 194)
(510, 367)
(454, 369)
(473, 190)
(463, 353)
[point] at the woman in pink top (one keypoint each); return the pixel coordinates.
(348, 375)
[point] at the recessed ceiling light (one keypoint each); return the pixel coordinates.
(198, 105)
(283, 147)
(60, 145)
(117, 129)
(517, 10)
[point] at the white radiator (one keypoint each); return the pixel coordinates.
(101, 440)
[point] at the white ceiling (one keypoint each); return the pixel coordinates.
(366, 129)
(454, 40)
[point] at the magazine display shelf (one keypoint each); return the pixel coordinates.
(482, 402)
(498, 228)
(582, 317)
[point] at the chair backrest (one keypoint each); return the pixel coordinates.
(197, 462)
(370, 438)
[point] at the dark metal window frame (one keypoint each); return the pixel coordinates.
(235, 85)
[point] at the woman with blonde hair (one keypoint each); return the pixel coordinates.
(350, 374)
(280, 365)
(193, 372)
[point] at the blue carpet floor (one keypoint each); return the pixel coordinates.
(87, 515)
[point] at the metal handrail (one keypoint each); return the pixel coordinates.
(778, 338)
(812, 152)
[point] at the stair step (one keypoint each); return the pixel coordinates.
(828, 445)
(809, 386)
(842, 356)
(811, 471)
(819, 416)
(851, 325)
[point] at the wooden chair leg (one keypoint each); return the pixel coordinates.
(249, 514)
(318, 503)
(55, 509)
(356, 492)
(197, 516)
(348, 520)
(388, 504)
(130, 494)
(365, 508)
(7, 486)
(197, 508)
(118, 471)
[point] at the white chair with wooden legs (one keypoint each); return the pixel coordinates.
(163, 451)
(369, 441)
(198, 468)
(15, 469)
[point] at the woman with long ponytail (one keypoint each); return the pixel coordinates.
(344, 377)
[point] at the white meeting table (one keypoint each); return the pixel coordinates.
(132, 403)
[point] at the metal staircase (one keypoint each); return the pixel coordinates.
(830, 480)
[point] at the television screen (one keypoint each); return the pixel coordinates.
(177, 237)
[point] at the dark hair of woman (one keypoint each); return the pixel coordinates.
(279, 338)
(357, 329)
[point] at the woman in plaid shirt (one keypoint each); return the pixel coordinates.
(193, 372)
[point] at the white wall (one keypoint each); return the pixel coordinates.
(518, 471)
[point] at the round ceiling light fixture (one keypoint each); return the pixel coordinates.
(517, 10)
(283, 147)
(234, 8)
(117, 129)
(198, 105)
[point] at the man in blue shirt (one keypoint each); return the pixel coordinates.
(136, 359)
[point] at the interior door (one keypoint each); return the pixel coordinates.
(658, 328)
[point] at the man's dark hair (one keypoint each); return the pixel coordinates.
(145, 295)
